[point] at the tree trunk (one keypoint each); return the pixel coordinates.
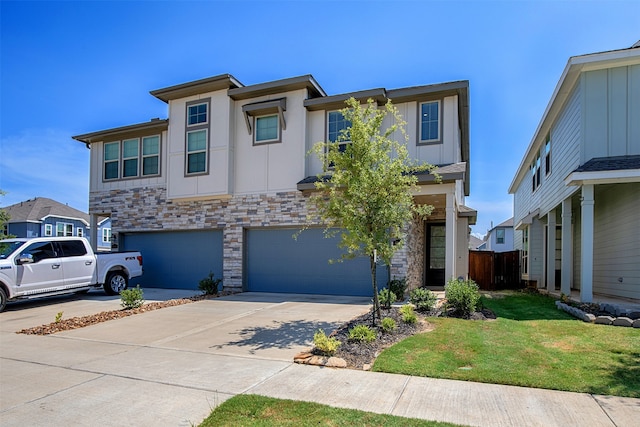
(376, 302)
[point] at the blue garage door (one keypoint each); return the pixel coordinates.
(177, 259)
(275, 262)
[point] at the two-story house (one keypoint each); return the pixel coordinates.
(222, 185)
(577, 189)
(499, 238)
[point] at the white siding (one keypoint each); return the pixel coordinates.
(617, 240)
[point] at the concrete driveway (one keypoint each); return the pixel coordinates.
(166, 367)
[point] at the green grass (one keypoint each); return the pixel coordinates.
(252, 410)
(530, 344)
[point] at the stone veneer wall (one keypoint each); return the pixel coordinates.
(408, 261)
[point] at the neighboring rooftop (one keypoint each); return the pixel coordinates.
(35, 210)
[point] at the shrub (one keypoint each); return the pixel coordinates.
(131, 298)
(423, 299)
(462, 295)
(398, 287)
(408, 315)
(361, 333)
(388, 325)
(386, 298)
(59, 317)
(325, 344)
(209, 285)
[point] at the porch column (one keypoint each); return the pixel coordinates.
(567, 248)
(551, 250)
(450, 232)
(93, 231)
(586, 252)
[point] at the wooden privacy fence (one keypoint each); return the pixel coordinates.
(495, 270)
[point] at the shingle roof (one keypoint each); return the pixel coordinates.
(40, 207)
(615, 163)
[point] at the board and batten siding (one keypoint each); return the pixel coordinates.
(611, 110)
(617, 240)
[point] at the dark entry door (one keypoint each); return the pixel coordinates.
(436, 243)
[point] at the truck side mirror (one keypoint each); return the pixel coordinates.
(25, 259)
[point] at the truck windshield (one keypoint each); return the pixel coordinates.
(7, 248)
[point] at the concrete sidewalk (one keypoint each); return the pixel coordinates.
(171, 367)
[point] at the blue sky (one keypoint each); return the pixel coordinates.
(73, 67)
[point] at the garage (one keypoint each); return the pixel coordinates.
(276, 262)
(177, 259)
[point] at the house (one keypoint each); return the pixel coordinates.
(499, 238)
(223, 184)
(40, 217)
(475, 243)
(576, 191)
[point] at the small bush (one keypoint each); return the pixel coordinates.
(131, 298)
(361, 333)
(398, 287)
(209, 285)
(386, 298)
(462, 295)
(325, 344)
(59, 317)
(388, 325)
(423, 299)
(408, 315)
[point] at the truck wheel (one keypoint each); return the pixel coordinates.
(3, 299)
(116, 282)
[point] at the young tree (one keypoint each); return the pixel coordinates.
(366, 195)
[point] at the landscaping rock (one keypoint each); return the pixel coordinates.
(588, 317)
(623, 321)
(336, 362)
(636, 323)
(317, 361)
(604, 320)
(302, 357)
(635, 315)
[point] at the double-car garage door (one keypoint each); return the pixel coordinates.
(273, 261)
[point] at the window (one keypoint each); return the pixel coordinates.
(48, 230)
(337, 125)
(430, 122)
(79, 232)
(64, 229)
(40, 251)
(130, 158)
(134, 153)
(150, 155)
(111, 160)
(106, 235)
(197, 114)
(535, 173)
(547, 155)
(197, 152)
(72, 248)
(267, 129)
(500, 236)
(525, 252)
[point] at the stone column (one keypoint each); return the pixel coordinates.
(567, 248)
(586, 251)
(233, 240)
(551, 250)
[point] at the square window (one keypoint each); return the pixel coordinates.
(196, 114)
(430, 121)
(267, 128)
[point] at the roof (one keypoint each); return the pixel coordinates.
(576, 65)
(139, 129)
(36, 210)
(616, 163)
(278, 86)
(505, 224)
(209, 84)
(606, 170)
(474, 242)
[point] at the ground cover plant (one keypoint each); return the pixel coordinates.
(531, 343)
(252, 410)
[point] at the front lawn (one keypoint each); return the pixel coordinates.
(530, 344)
(252, 410)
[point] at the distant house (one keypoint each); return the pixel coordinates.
(41, 217)
(576, 191)
(475, 243)
(499, 238)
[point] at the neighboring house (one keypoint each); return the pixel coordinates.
(475, 243)
(499, 238)
(223, 184)
(41, 217)
(577, 189)
(104, 234)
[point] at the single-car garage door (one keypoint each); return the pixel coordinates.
(176, 259)
(276, 262)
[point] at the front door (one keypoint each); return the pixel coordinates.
(436, 255)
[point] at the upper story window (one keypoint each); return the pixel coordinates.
(64, 229)
(80, 232)
(500, 236)
(48, 230)
(337, 125)
(267, 129)
(547, 155)
(122, 159)
(197, 114)
(535, 173)
(429, 122)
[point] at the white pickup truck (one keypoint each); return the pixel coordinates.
(47, 266)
